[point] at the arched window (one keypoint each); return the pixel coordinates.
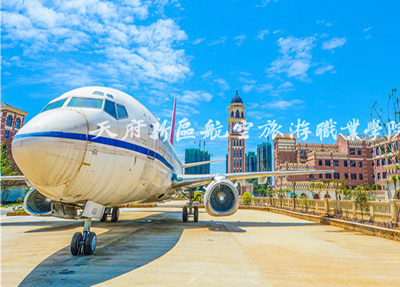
(18, 123)
(237, 114)
(232, 114)
(234, 153)
(7, 134)
(9, 121)
(242, 115)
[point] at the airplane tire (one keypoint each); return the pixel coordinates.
(196, 214)
(75, 246)
(115, 214)
(90, 243)
(104, 217)
(185, 214)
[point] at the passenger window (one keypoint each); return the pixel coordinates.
(122, 113)
(54, 105)
(109, 108)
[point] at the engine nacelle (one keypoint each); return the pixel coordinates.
(36, 203)
(221, 198)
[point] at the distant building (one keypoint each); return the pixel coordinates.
(349, 158)
(236, 144)
(197, 155)
(12, 119)
(264, 157)
(251, 162)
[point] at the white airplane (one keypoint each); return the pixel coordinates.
(95, 148)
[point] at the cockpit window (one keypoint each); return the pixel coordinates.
(97, 93)
(54, 105)
(122, 113)
(109, 108)
(85, 103)
(110, 96)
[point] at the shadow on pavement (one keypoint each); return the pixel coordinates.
(126, 246)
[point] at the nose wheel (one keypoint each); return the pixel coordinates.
(193, 210)
(84, 243)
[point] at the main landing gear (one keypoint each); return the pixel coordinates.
(193, 209)
(113, 212)
(84, 243)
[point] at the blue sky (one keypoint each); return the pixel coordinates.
(308, 60)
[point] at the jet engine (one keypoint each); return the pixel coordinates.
(221, 198)
(36, 203)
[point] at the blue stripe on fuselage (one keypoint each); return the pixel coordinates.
(101, 140)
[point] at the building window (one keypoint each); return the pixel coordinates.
(346, 176)
(382, 149)
(328, 176)
(383, 162)
(240, 151)
(383, 175)
(377, 151)
(9, 121)
(352, 163)
(327, 162)
(389, 161)
(360, 177)
(7, 135)
(353, 176)
(18, 123)
(345, 163)
(378, 163)
(336, 175)
(352, 151)
(359, 152)
(303, 152)
(242, 115)
(320, 162)
(389, 148)
(397, 146)
(320, 175)
(379, 176)
(232, 114)
(359, 164)
(335, 163)
(237, 114)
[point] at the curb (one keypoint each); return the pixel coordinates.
(16, 213)
(348, 225)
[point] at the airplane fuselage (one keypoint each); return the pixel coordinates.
(97, 144)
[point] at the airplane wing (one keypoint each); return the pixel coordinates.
(13, 177)
(185, 181)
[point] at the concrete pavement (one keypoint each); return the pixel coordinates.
(152, 247)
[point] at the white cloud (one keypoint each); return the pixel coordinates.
(324, 23)
(217, 42)
(367, 29)
(240, 39)
(198, 41)
(262, 34)
(194, 97)
(296, 58)
(207, 74)
(277, 31)
(247, 88)
(333, 43)
(264, 3)
(324, 69)
(263, 88)
(283, 105)
(127, 53)
(223, 84)
(285, 85)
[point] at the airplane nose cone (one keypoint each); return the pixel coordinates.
(51, 147)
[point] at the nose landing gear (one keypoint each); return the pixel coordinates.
(84, 243)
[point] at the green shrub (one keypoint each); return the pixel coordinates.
(246, 198)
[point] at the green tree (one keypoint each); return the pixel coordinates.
(8, 168)
(361, 199)
(246, 198)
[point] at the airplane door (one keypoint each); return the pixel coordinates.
(151, 142)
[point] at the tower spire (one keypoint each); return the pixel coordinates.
(237, 92)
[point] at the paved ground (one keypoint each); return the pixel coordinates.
(151, 247)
